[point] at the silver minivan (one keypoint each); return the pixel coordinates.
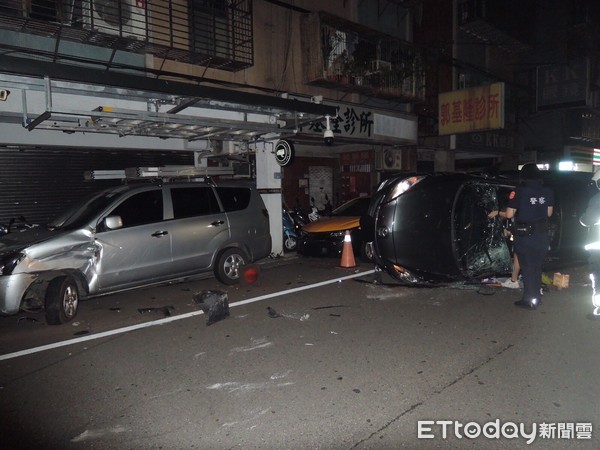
(131, 236)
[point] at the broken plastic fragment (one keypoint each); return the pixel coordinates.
(166, 310)
(272, 313)
(27, 319)
(214, 304)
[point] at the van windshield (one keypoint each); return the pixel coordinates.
(82, 213)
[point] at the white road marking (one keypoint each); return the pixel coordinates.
(278, 376)
(237, 387)
(256, 344)
(95, 434)
(165, 320)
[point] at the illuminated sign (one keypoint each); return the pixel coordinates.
(473, 109)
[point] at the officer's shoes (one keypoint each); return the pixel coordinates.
(533, 304)
(510, 284)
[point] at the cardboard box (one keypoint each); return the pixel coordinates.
(561, 280)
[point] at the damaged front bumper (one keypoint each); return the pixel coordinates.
(12, 290)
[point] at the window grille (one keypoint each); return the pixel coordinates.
(213, 33)
(358, 59)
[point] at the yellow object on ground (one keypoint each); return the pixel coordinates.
(547, 280)
(561, 280)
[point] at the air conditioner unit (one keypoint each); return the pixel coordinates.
(125, 18)
(378, 65)
(389, 159)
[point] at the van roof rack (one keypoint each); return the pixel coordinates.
(164, 173)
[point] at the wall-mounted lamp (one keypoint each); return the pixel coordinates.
(328, 135)
(4, 93)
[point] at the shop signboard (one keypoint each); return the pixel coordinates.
(473, 109)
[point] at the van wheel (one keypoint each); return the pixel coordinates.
(62, 300)
(228, 266)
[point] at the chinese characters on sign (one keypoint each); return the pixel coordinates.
(562, 85)
(367, 125)
(473, 109)
(351, 122)
(489, 141)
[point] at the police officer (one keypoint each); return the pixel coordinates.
(531, 203)
(591, 219)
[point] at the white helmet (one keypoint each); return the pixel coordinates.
(596, 179)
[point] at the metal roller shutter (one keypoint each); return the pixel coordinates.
(40, 183)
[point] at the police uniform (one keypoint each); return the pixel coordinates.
(590, 219)
(531, 200)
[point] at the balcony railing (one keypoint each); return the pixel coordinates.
(203, 32)
(473, 19)
(363, 61)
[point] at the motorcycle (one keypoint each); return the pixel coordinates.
(290, 235)
(15, 225)
(314, 211)
(299, 216)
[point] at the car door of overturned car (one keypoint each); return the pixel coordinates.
(481, 245)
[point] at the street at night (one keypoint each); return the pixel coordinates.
(311, 356)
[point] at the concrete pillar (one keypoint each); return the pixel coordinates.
(268, 182)
(444, 160)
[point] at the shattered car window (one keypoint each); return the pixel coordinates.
(480, 243)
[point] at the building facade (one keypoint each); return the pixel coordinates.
(306, 97)
(211, 83)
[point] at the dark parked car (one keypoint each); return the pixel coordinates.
(325, 236)
(130, 236)
(434, 228)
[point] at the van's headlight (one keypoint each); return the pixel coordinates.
(402, 187)
(9, 261)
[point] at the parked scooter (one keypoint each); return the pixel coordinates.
(15, 225)
(300, 217)
(326, 211)
(314, 212)
(290, 235)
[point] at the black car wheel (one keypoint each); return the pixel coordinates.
(62, 300)
(228, 266)
(367, 251)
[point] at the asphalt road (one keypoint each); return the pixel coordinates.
(348, 364)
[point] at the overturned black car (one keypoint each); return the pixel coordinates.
(434, 228)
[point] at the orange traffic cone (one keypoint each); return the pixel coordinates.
(347, 252)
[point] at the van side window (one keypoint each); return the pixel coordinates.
(142, 208)
(194, 201)
(234, 198)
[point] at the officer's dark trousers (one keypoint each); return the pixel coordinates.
(531, 251)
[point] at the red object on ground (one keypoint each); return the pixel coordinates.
(250, 274)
